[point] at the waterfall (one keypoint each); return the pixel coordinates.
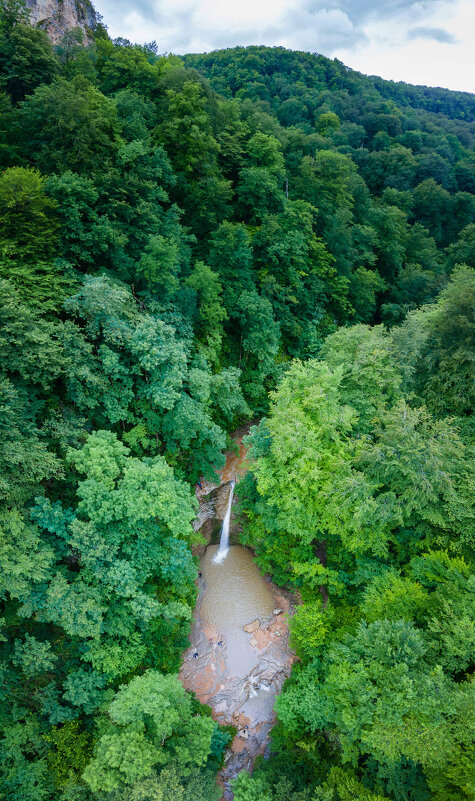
(224, 541)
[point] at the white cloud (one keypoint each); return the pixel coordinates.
(438, 34)
(418, 41)
(321, 30)
(393, 54)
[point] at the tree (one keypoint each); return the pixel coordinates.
(296, 273)
(26, 55)
(211, 312)
(259, 344)
(26, 559)
(28, 219)
(396, 487)
(186, 132)
(230, 255)
(158, 267)
(132, 522)
(151, 724)
(265, 151)
(25, 461)
(306, 432)
(127, 68)
(87, 235)
(325, 183)
(432, 206)
(370, 380)
(364, 286)
(370, 694)
(445, 368)
(30, 345)
(463, 250)
(258, 193)
(70, 126)
(327, 122)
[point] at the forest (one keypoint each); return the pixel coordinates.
(186, 244)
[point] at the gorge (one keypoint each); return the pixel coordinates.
(239, 654)
(186, 244)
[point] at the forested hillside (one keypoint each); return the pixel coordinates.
(178, 239)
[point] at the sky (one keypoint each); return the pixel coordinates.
(429, 42)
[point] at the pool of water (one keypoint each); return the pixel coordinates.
(234, 594)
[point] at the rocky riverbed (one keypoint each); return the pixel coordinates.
(239, 655)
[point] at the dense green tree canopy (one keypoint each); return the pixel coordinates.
(362, 498)
(187, 244)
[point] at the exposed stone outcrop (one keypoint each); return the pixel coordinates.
(58, 16)
(252, 627)
(213, 497)
(213, 504)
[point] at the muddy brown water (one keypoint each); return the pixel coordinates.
(234, 594)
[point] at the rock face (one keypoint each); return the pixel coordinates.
(58, 16)
(213, 504)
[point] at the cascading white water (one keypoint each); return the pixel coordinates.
(224, 541)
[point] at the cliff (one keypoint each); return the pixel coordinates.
(58, 16)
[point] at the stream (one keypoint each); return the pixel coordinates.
(239, 654)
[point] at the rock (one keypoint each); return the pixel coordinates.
(58, 16)
(238, 745)
(277, 611)
(277, 633)
(243, 733)
(252, 627)
(253, 642)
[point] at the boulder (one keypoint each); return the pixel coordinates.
(277, 633)
(252, 627)
(277, 611)
(253, 642)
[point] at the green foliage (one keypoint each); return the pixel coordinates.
(186, 131)
(70, 125)
(259, 344)
(25, 460)
(30, 347)
(447, 359)
(27, 215)
(33, 656)
(25, 558)
(173, 233)
(353, 479)
(84, 689)
(26, 55)
(69, 753)
(158, 266)
(365, 284)
(308, 629)
(151, 724)
(210, 309)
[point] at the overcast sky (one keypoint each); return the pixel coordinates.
(430, 42)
